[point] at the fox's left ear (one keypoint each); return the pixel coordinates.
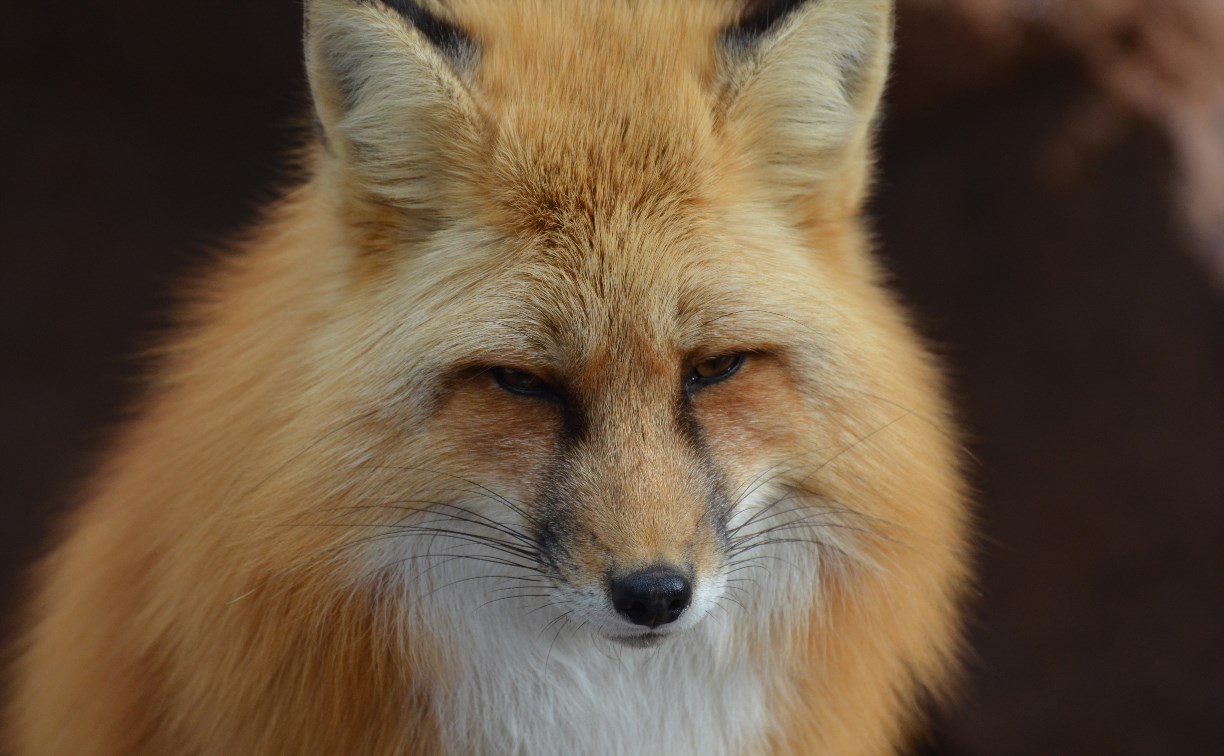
(802, 81)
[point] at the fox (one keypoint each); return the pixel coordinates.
(560, 407)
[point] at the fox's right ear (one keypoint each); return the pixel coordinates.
(388, 82)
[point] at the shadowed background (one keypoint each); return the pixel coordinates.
(1033, 229)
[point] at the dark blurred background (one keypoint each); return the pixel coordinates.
(1037, 221)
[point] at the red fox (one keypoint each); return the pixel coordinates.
(560, 409)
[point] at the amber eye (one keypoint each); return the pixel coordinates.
(714, 369)
(521, 382)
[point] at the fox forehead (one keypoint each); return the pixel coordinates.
(572, 311)
(544, 50)
(598, 111)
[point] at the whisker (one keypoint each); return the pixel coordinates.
(565, 622)
(464, 542)
(504, 598)
(773, 557)
(399, 506)
(859, 442)
(447, 558)
(399, 531)
(487, 491)
(558, 602)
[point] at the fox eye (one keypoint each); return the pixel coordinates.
(521, 382)
(714, 369)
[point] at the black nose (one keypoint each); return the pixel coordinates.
(652, 597)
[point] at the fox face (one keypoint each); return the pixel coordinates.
(625, 430)
(611, 417)
(618, 249)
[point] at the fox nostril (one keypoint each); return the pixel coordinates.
(652, 597)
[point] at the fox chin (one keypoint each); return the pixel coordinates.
(560, 408)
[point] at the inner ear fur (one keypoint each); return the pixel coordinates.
(398, 120)
(801, 88)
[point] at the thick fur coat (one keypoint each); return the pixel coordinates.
(572, 290)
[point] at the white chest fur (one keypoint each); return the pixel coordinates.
(521, 692)
(527, 677)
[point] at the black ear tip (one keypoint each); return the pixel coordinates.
(445, 35)
(759, 16)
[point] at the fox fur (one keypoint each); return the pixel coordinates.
(334, 527)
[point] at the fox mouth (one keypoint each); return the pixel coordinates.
(645, 640)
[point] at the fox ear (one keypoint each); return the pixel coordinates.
(388, 82)
(802, 84)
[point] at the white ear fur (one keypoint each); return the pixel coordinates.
(802, 99)
(394, 111)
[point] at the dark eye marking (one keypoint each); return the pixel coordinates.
(523, 383)
(703, 373)
(713, 370)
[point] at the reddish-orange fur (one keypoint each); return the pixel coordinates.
(598, 199)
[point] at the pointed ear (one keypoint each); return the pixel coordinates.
(388, 82)
(802, 84)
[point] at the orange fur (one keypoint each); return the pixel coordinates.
(601, 194)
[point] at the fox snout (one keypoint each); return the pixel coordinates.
(635, 578)
(639, 575)
(633, 527)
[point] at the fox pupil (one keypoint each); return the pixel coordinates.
(715, 369)
(520, 382)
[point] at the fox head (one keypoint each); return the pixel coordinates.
(602, 323)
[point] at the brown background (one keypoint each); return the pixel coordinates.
(1087, 344)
